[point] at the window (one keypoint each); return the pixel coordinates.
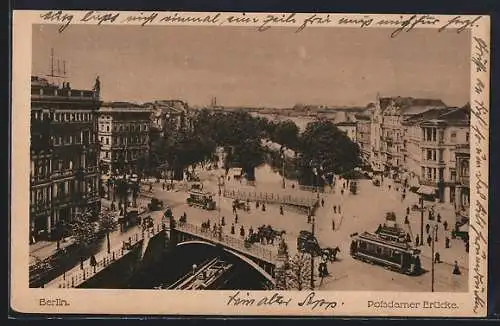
(107, 141)
(102, 139)
(453, 175)
(107, 154)
(453, 136)
(107, 128)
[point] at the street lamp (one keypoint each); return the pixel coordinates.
(434, 235)
(421, 199)
(282, 154)
(313, 224)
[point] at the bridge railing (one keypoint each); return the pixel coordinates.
(271, 198)
(255, 250)
(76, 276)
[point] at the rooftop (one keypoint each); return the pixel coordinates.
(408, 105)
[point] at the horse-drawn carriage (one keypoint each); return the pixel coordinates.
(265, 234)
(238, 204)
(307, 243)
(155, 204)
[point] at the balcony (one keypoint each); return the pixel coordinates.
(435, 163)
(428, 182)
(63, 174)
(432, 143)
(464, 180)
(40, 179)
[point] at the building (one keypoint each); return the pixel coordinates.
(124, 135)
(363, 130)
(462, 188)
(170, 115)
(432, 140)
(349, 128)
(64, 155)
(387, 130)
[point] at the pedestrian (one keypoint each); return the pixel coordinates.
(406, 220)
(263, 207)
(309, 219)
(163, 185)
(333, 225)
(335, 209)
(408, 237)
(407, 210)
(232, 229)
(234, 208)
(389, 187)
(429, 240)
(439, 218)
(437, 258)
(403, 197)
(242, 231)
(236, 219)
(456, 269)
(93, 261)
(322, 202)
(223, 221)
(281, 210)
(467, 246)
(427, 227)
(342, 191)
(257, 204)
(447, 242)
(250, 231)
(417, 241)
(445, 225)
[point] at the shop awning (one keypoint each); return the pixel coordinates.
(426, 190)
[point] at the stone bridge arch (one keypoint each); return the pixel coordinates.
(267, 274)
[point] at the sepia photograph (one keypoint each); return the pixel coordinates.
(225, 158)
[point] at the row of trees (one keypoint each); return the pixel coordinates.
(322, 147)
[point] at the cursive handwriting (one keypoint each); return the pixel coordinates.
(310, 301)
(237, 299)
(143, 19)
(481, 50)
(479, 87)
(459, 23)
(99, 18)
(314, 20)
(360, 21)
(414, 21)
(276, 19)
(58, 16)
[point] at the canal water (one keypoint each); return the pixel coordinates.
(179, 261)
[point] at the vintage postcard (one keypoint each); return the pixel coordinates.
(242, 164)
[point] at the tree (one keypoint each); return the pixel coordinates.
(286, 133)
(324, 147)
(298, 272)
(83, 231)
(107, 224)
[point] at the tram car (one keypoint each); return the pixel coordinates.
(201, 199)
(393, 255)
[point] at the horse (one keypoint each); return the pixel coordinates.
(330, 253)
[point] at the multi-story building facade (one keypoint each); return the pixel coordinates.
(64, 155)
(431, 140)
(170, 115)
(388, 150)
(349, 128)
(123, 135)
(363, 130)
(462, 188)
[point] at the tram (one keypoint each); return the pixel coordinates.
(393, 255)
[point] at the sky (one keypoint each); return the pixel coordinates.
(241, 66)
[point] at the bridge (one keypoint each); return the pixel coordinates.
(77, 276)
(273, 198)
(259, 257)
(205, 277)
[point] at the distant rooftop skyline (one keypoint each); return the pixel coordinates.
(242, 67)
